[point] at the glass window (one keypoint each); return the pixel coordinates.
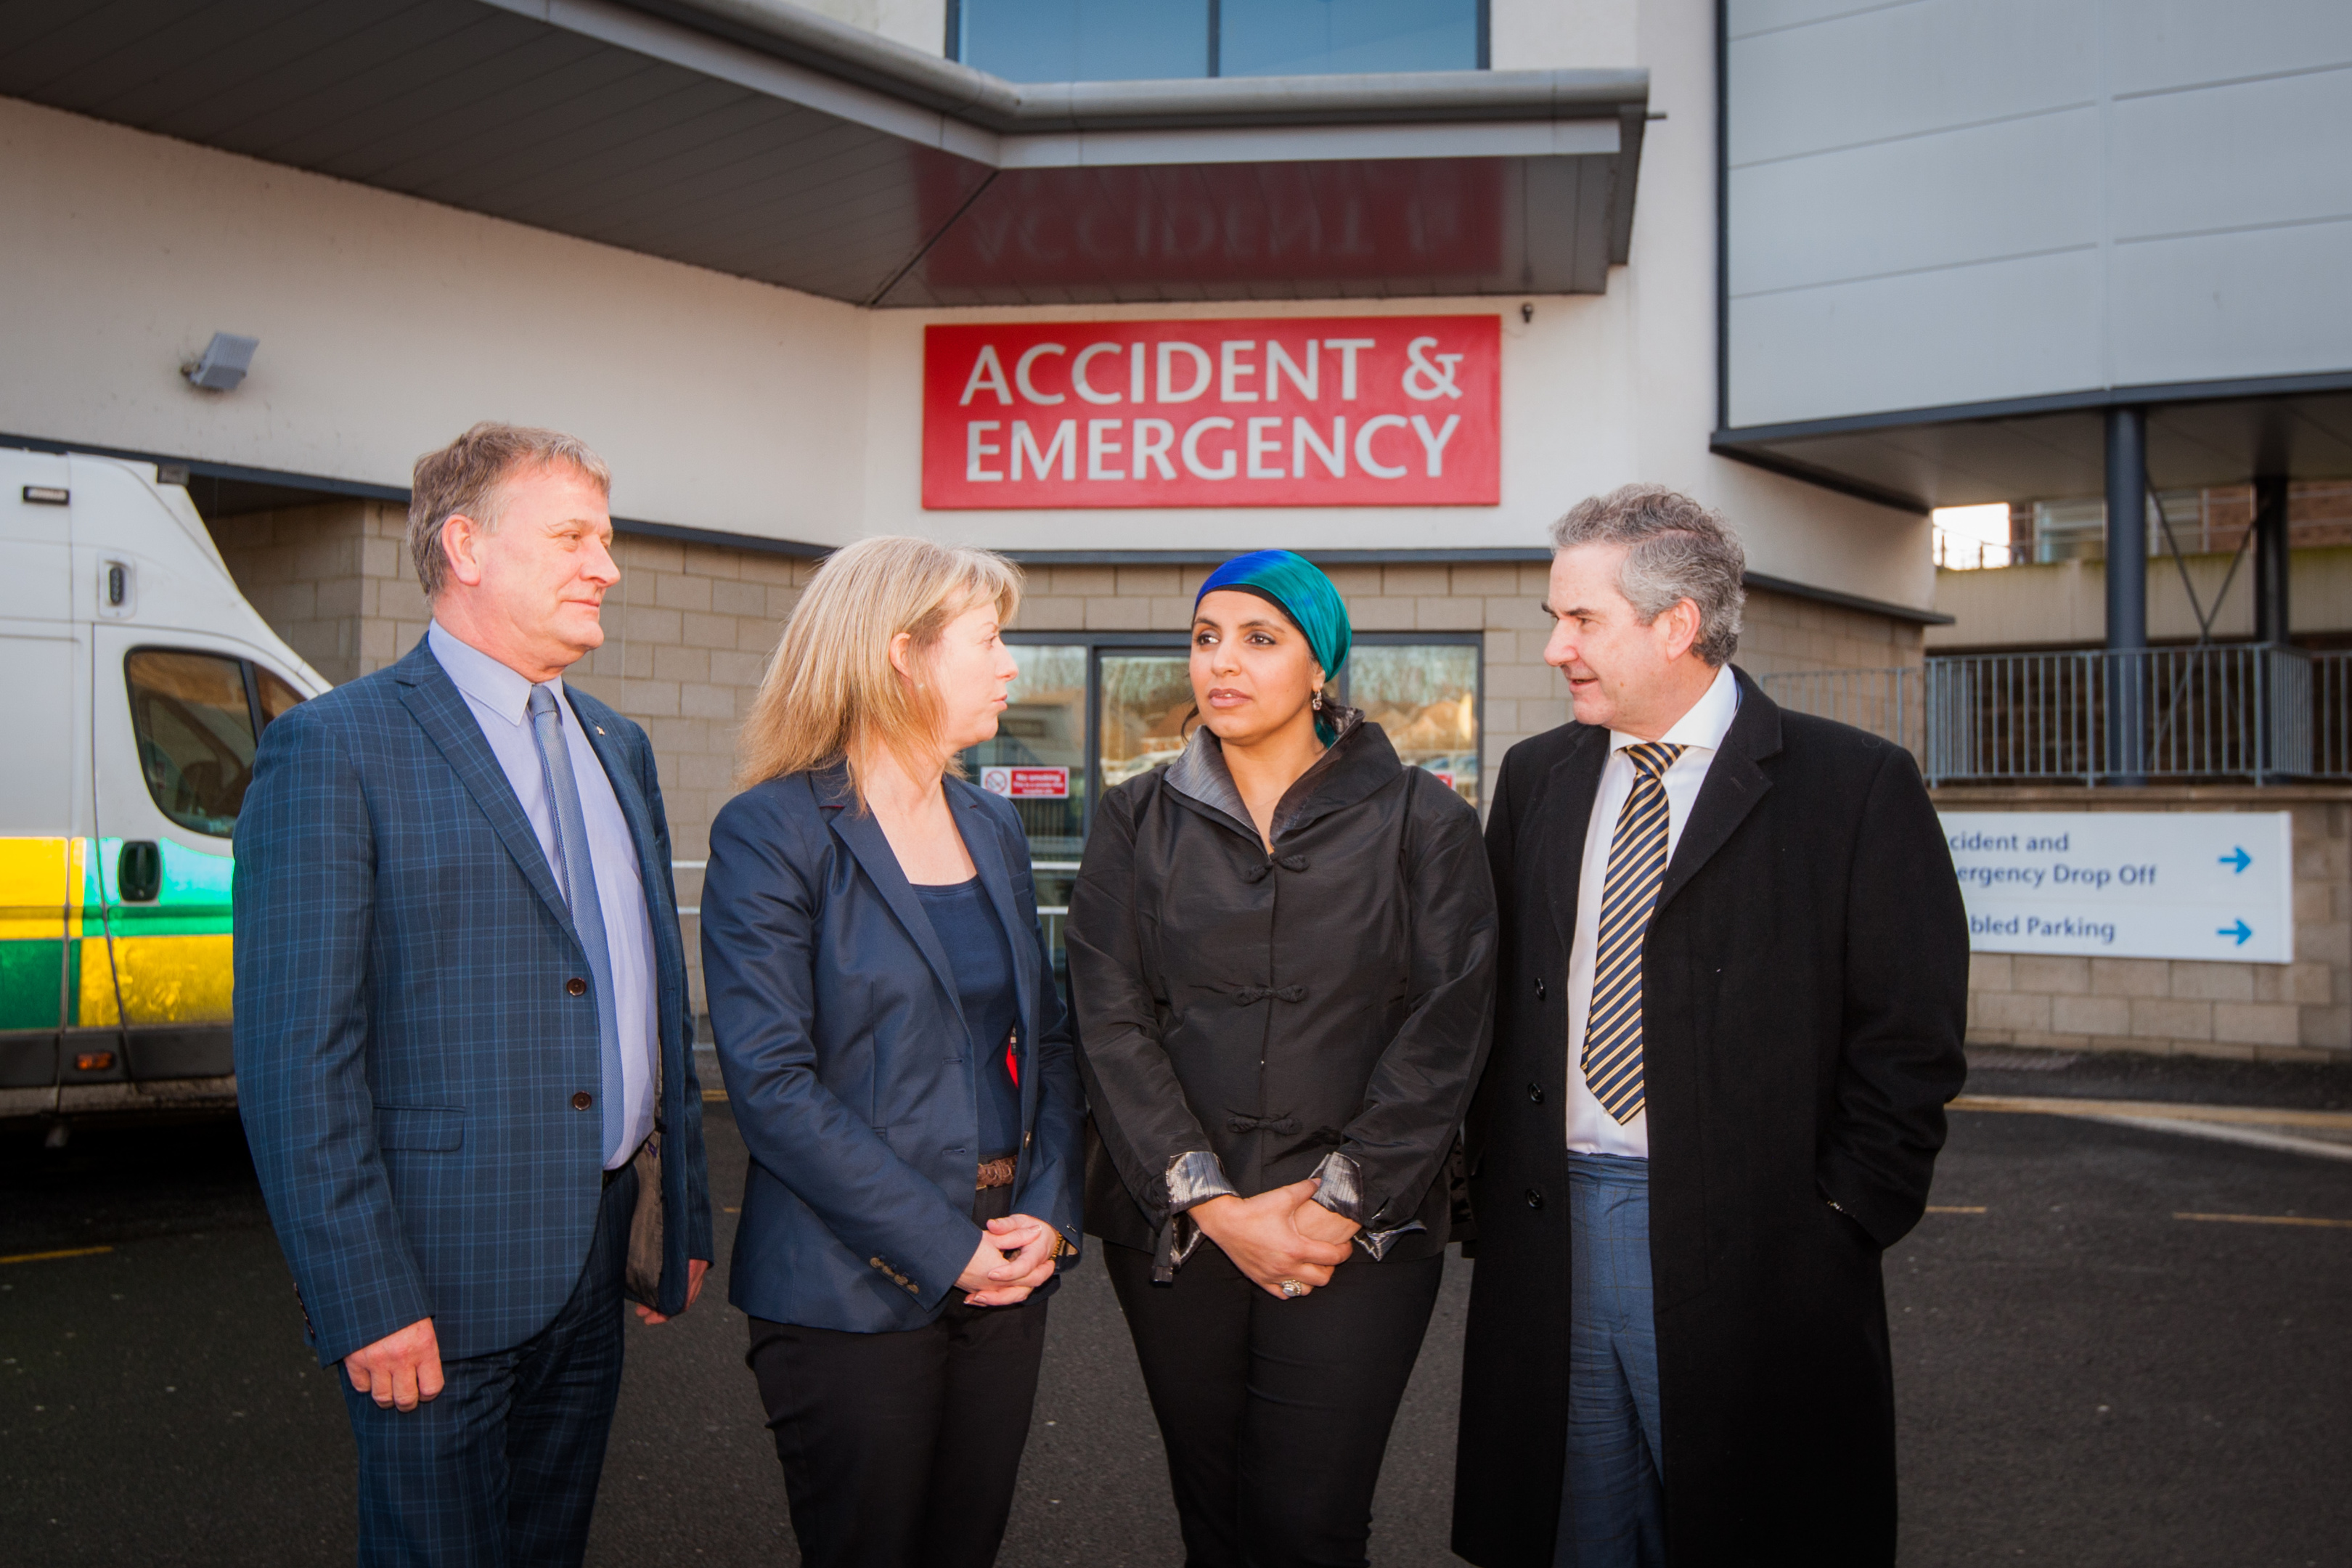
(194, 727)
(1326, 37)
(275, 694)
(1425, 696)
(1115, 40)
(1147, 711)
(1084, 41)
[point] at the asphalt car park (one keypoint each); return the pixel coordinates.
(2114, 1344)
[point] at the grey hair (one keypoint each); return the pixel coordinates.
(1678, 549)
(468, 476)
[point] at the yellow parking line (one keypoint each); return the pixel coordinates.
(61, 1252)
(2162, 1110)
(2271, 1219)
(1955, 1208)
(711, 1094)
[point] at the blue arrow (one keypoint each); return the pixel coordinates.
(2239, 858)
(2242, 931)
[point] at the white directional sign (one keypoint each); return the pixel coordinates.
(2127, 884)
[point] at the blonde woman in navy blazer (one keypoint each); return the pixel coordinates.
(897, 1061)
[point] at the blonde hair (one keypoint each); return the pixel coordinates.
(469, 476)
(831, 689)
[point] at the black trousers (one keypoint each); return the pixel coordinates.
(1276, 1414)
(900, 1450)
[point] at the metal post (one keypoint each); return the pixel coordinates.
(2126, 595)
(2271, 623)
(2274, 682)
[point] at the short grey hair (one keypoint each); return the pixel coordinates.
(467, 477)
(1678, 549)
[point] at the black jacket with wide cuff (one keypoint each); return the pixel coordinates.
(1247, 1019)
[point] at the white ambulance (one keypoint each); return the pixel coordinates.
(134, 680)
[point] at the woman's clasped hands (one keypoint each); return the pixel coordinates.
(1280, 1238)
(1013, 1258)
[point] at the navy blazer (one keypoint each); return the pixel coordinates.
(407, 1043)
(842, 1042)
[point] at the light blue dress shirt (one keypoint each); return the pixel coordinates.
(501, 699)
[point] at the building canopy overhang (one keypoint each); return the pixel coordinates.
(757, 138)
(2198, 434)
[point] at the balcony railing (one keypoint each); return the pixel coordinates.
(2238, 712)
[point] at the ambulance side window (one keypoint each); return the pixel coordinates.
(195, 715)
(272, 695)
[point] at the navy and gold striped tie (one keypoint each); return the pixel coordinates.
(1637, 866)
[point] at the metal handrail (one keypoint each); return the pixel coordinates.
(2240, 710)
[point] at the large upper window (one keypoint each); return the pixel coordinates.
(196, 716)
(1114, 40)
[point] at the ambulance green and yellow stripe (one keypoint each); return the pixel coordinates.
(166, 962)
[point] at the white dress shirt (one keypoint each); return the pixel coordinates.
(500, 699)
(1591, 1128)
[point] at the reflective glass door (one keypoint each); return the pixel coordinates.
(1146, 713)
(1425, 696)
(1087, 715)
(1039, 762)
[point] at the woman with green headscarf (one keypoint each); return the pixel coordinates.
(1282, 950)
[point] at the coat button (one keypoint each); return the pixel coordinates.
(582, 1101)
(575, 987)
(1535, 1094)
(1539, 990)
(1535, 1197)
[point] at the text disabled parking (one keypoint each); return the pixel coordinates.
(2127, 884)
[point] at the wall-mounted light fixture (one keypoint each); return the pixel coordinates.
(224, 363)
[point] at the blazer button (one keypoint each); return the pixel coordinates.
(1539, 990)
(575, 987)
(1535, 1197)
(582, 1101)
(1535, 1094)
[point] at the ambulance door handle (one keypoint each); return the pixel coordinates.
(139, 871)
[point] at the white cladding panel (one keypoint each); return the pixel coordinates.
(1866, 346)
(1941, 201)
(1901, 70)
(2179, 43)
(1958, 201)
(2241, 156)
(2216, 307)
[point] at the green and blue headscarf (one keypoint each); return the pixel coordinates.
(1295, 586)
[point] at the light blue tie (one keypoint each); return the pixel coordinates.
(577, 875)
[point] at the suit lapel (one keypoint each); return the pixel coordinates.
(1735, 781)
(1565, 819)
(440, 710)
(863, 836)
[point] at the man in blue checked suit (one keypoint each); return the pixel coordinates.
(463, 1034)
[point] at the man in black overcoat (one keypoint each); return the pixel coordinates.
(1728, 1016)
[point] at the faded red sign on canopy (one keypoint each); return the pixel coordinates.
(1295, 411)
